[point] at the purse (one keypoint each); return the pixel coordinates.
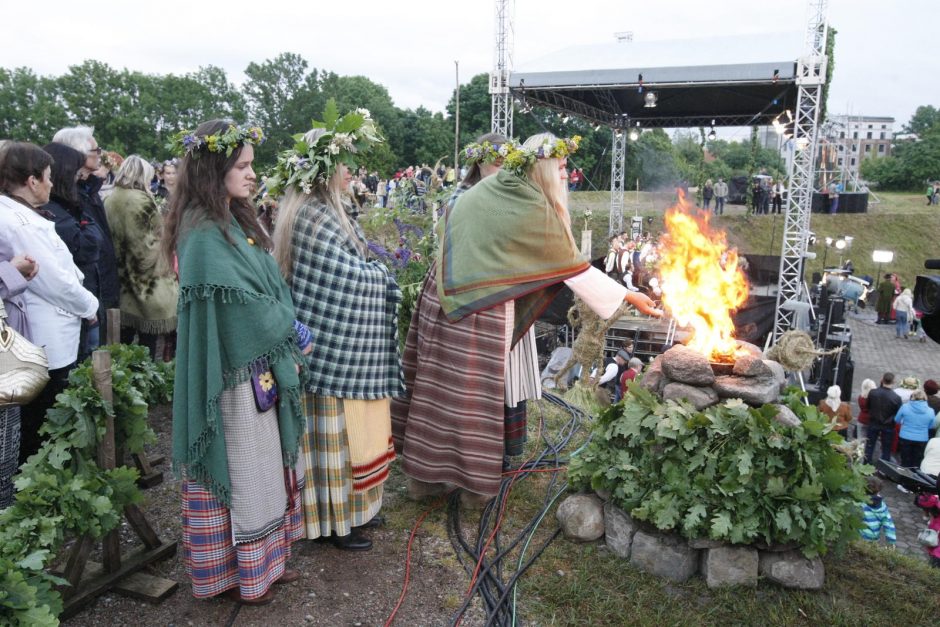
(263, 385)
(24, 369)
(929, 537)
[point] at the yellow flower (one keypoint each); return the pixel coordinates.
(251, 242)
(266, 380)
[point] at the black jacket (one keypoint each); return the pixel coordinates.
(81, 235)
(883, 404)
(93, 208)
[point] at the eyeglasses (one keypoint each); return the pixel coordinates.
(95, 151)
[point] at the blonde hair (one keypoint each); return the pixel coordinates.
(919, 395)
(134, 173)
(330, 193)
(544, 175)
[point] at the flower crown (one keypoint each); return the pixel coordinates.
(521, 159)
(188, 143)
(487, 152)
(307, 164)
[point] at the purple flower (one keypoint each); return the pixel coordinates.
(191, 141)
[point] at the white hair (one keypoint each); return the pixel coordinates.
(80, 138)
(134, 173)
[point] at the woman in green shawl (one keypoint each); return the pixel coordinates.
(506, 250)
(237, 418)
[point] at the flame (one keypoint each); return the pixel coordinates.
(701, 281)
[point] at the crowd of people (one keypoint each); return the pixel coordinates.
(290, 398)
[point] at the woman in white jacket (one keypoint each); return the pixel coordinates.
(55, 300)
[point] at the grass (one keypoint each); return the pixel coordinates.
(900, 222)
(584, 584)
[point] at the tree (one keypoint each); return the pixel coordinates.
(22, 91)
(475, 108)
(270, 91)
(925, 118)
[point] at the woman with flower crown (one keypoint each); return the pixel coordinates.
(483, 158)
(350, 304)
(506, 249)
(237, 419)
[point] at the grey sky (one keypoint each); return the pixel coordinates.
(884, 54)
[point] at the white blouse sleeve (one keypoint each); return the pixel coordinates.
(601, 293)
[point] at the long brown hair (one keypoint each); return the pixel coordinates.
(474, 175)
(201, 195)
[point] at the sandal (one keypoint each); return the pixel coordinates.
(235, 595)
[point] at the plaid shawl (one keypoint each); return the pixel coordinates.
(500, 242)
(351, 307)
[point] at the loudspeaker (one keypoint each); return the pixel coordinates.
(927, 301)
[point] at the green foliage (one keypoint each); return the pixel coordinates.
(729, 473)
(62, 490)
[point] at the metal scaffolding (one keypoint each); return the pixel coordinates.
(618, 162)
(811, 76)
(501, 113)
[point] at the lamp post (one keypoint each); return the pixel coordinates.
(880, 257)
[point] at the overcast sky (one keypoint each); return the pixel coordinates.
(885, 58)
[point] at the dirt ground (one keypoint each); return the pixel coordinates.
(337, 588)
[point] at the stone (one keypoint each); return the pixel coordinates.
(699, 397)
(730, 566)
(664, 556)
(681, 363)
(754, 392)
(582, 517)
(705, 543)
(791, 570)
(751, 366)
(779, 374)
(653, 378)
(603, 494)
(619, 530)
(786, 417)
(752, 349)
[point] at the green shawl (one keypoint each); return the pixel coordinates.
(234, 308)
(148, 287)
(500, 242)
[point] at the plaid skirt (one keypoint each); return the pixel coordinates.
(215, 564)
(9, 452)
(330, 503)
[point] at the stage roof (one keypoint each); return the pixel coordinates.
(735, 81)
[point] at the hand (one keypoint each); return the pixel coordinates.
(644, 303)
(93, 320)
(26, 265)
(307, 350)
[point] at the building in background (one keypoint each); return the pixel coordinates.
(846, 140)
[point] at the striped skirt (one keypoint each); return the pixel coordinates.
(450, 426)
(9, 452)
(331, 502)
(215, 563)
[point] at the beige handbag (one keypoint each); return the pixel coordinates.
(24, 369)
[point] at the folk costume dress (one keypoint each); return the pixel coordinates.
(503, 257)
(350, 305)
(241, 495)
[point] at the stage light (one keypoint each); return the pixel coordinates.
(840, 244)
(712, 134)
(882, 256)
(634, 134)
(649, 100)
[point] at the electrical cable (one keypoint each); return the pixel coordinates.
(490, 549)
